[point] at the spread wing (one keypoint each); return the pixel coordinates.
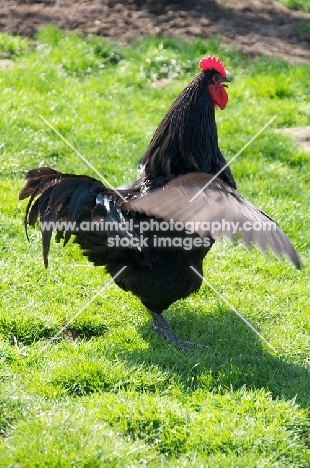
(217, 210)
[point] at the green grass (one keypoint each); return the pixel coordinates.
(303, 5)
(106, 392)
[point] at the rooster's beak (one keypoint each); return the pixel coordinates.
(226, 80)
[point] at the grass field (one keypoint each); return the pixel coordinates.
(107, 392)
(303, 5)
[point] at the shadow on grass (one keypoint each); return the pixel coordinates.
(236, 358)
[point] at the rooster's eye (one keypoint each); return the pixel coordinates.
(217, 79)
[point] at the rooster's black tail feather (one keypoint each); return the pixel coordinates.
(57, 197)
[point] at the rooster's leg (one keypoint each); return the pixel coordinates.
(164, 331)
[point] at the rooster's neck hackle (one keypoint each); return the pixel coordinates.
(186, 139)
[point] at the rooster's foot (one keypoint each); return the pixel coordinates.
(164, 331)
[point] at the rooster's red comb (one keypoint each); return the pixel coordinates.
(212, 63)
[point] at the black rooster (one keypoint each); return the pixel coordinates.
(152, 237)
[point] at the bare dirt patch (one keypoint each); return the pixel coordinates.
(251, 27)
(301, 135)
(5, 63)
